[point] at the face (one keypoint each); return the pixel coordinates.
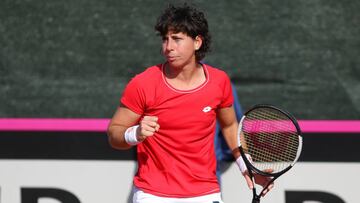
(179, 48)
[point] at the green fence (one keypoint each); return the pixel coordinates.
(73, 58)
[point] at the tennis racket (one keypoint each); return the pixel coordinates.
(272, 138)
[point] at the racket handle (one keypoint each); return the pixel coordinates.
(256, 199)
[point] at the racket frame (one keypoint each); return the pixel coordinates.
(251, 168)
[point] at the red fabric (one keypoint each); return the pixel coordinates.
(179, 160)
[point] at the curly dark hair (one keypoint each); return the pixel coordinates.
(186, 19)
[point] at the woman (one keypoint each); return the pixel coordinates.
(169, 111)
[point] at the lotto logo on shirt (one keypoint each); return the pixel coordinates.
(206, 109)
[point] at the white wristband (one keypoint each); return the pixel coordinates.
(130, 135)
(240, 162)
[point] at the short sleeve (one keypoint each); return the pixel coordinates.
(226, 87)
(133, 96)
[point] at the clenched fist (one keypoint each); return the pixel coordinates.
(147, 127)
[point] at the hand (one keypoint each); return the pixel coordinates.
(260, 180)
(147, 127)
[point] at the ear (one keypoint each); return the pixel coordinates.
(198, 42)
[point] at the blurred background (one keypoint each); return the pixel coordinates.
(72, 59)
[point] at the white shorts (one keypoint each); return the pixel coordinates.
(143, 197)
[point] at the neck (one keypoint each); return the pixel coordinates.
(185, 73)
(185, 78)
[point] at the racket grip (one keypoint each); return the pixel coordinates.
(256, 199)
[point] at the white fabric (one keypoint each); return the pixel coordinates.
(143, 197)
(130, 135)
(240, 162)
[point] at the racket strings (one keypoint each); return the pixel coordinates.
(270, 138)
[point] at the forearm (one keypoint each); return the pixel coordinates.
(116, 137)
(229, 125)
(230, 134)
(123, 119)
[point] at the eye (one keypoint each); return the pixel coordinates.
(176, 39)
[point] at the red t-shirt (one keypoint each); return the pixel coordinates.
(179, 160)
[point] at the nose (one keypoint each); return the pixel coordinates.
(168, 45)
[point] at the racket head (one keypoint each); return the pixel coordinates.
(272, 137)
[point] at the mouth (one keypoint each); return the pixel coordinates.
(171, 58)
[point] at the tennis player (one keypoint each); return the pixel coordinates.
(169, 112)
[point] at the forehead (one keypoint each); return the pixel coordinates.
(174, 33)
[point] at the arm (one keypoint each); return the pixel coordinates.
(123, 119)
(120, 122)
(228, 123)
(227, 120)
